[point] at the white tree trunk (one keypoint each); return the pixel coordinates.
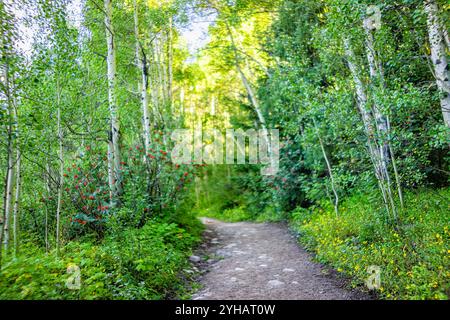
(170, 64)
(164, 69)
(115, 128)
(153, 69)
(8, 190)
(439, 58)
(47, 186)
(112, 189)
(17, 191)
(142, 65)
(330, 170)
(360, 91)
(160, 70)
(374, 151)
(382, 121)
(446, 37)
(9, 179)
(60, 180)
(213, 105)
(253, 99)
(380, 118)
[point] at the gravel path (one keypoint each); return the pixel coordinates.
(262, 261)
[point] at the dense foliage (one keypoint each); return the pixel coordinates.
(414, 258)
(317, 87)
(145, 263)
(91, 91)
(80, 190)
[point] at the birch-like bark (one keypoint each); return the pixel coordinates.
(61, 165)
(197, 190)
(60, 180)
(156, 82)
(47, 185)
(381, 120)
(213, 105)
(394, 166)
(376, 77)
(164, 70)
(446, 37)
(8, 189)
(439, 58)
(4, 217)
(246, 83)
(9, 177)
(170, 64)
(112, 185)
(252, 97)
(17, 191)
(361, 96)
(153, 79)
(330, 170)
(111, 62)
(182, 102)
(386, 150)
(360, 91)
(383, 123)
(143, 86)
(160, 70)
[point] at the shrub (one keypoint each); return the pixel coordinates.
(131, 264)
(414, 258)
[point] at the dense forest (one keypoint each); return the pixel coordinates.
(92, 91)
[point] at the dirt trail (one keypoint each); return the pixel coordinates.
(262, 261)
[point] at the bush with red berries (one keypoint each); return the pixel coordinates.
(86, 192)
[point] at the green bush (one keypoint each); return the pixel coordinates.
(130, 264)
(414, 257)
(35, 274)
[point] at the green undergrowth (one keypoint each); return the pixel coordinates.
(145, 263)
(228, 215)
(414, 258)
(241, 213)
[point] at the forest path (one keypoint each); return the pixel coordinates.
(262, 261)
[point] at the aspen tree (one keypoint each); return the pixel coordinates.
(251, 95)
(113, 147)
(362, 101)
(381, 120)
(141, 60)
(10, 167)
(438, 38)
(329, 169)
